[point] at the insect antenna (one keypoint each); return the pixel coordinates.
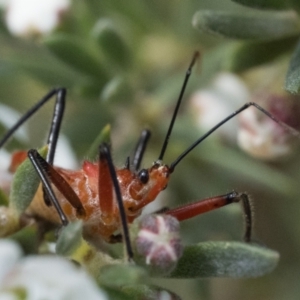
(104, 153)
(187, 76)
(244, 107)
(140, 149)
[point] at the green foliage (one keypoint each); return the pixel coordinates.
(292, 82)
(263, 26)
(103, 137)
(132, 56)
(271, 32)
(3, 198)
(25, 185)
(225, 259)
(69, 239)
(265, 4)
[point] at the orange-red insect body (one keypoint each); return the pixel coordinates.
(102, 219)
(106, 198)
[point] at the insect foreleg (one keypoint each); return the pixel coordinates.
(55, 124)
(104, 155)
(60, 92)
(39, 167)
(57, 117)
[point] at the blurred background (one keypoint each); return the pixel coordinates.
(123, 64)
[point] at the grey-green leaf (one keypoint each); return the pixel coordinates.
(25, 184)
(146, 292)
(295, 4)
(225, 259)
(265, 4)
(77, 54)
(111, 43)
(119, 275)
(69, 238)
(103, 137)
(292, 80)
(3, 198)
(117, 90)
(245, 55)
(258, 26)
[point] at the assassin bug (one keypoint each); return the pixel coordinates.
(107, 198)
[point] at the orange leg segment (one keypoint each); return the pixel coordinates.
(58, 181)
(202, 206)
(105, 191)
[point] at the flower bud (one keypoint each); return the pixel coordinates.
(157, 243)
(263, 138)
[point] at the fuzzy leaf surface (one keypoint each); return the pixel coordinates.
(245, 55)
(74, 53)
(265, 4)
(262, 26)
(292, 81)
(69, 238)
(225, 259)
(119, 275)
(25, 184)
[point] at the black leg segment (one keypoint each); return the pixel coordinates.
(38, 165)
(60, 92)
(104, 153)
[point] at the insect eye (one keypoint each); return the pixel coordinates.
(144, 176)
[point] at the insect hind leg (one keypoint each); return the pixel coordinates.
(199, 207)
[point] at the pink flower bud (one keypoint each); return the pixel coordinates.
(157, 243)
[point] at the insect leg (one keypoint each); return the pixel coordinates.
(140, 149)
(57, 117)
(49, 175)
(105, 159)
(202, 206)
(30, 112)
(55, 124)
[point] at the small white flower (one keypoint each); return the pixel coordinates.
(8, 118)
(65, 156)
(260, 136)
(43, 277)
(211, 106)
(34, 17)
(10, 254)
